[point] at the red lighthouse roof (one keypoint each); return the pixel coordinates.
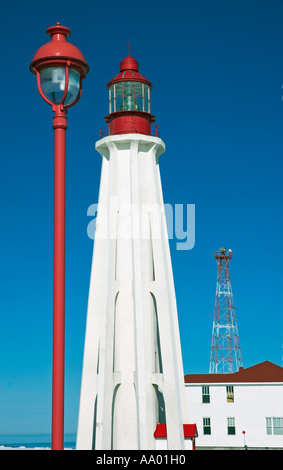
(129, 101)
(129, 70)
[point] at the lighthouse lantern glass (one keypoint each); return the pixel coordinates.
(129, 96)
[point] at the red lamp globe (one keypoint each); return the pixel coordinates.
(60, 68)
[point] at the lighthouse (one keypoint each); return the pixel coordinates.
(132, 376)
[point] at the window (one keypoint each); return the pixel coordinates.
(118, 99)
(274, 426)
(139, 95)
(230, 394)
(205, 394)
(231, 426)
(269, 426)
(206, 426)
(146, 99)
(129, 96)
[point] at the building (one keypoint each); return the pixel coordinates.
(190, 435)
(132, 377)
(240, 410)
(133, 394)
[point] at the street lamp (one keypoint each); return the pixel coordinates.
(60, 68)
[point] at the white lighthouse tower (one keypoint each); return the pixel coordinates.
(132, 379)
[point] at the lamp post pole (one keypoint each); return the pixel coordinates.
(60, 127)
(60, 68)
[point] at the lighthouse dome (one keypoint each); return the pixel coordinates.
(129, 70)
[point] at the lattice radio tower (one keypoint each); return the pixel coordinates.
(226, 356)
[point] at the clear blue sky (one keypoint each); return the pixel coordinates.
(217, 70)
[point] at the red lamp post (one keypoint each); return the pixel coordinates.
(60, 68)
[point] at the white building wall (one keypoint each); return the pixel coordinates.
(253, 403)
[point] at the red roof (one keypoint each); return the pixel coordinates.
(129, 71)
(190, 431)
(264, 372)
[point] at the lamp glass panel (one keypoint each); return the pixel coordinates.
(52, 80)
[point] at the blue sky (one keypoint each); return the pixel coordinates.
(217, 71)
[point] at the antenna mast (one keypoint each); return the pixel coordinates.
(226, 356)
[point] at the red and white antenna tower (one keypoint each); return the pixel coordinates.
(226, 356)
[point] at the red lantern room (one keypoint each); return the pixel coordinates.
(129, 101)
